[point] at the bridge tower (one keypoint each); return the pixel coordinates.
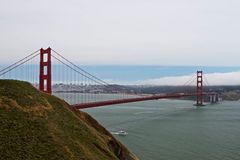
(199, 88)
(45, 81)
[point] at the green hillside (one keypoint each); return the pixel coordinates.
(35, 125)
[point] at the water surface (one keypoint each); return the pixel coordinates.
(175, 129)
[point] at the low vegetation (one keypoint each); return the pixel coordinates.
(35, 125)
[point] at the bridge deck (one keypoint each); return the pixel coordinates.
(138, 99)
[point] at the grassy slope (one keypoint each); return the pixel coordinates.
(34, 125)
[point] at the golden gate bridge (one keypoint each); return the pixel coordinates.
(52, 73)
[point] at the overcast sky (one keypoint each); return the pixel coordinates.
(133, 32)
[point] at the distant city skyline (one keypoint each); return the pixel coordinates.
(126, 32)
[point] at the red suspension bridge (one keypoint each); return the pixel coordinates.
(54, 74)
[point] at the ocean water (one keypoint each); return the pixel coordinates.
(175, 129)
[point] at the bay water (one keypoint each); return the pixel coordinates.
(174, 129)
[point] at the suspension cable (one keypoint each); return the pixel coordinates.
(89, 74)
(191, 79)
(15, 66)
(78, 71)
(206, 80)
(19, 61)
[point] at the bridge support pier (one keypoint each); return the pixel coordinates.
(214, 98)
(217, 98)
(45, 80)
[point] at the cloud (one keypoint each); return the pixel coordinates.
(125, 32)
(230, 78)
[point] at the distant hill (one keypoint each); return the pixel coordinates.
(35, 125)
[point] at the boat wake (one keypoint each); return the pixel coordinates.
(120, 133)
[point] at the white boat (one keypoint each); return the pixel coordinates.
(122, 133)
